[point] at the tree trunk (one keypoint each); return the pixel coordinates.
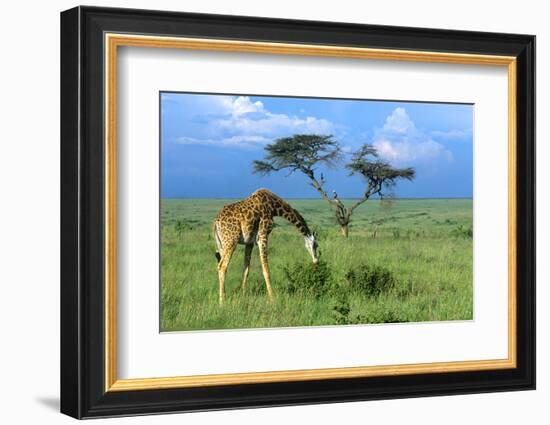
(343, 217)
(344, 230)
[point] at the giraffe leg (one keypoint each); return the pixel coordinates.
(222, 268)
(247, 255)
(262, 246)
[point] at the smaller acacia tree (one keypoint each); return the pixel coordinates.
(379, 176)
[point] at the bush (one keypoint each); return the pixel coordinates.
(341, 313)
(463, 232)
(381, 315)
(309, 278)
(341, 310)
(182, 225)
(370, 280)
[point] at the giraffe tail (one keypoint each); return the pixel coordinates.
(218, 241)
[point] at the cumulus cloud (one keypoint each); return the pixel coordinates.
(243, 105)
(399, 122)
(400, 141)
(237, 121)
(272, 124)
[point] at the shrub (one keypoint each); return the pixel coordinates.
(370, 280)
(309, 278)
(341, 310)
(341, 313)
(379, 316)
(463, 232)
(182, 225)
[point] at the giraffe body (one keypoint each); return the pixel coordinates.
(250, 222)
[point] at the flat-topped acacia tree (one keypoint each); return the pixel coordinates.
(306, 152)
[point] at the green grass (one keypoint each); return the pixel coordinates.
(423, 245)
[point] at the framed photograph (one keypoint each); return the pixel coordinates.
(261, 212)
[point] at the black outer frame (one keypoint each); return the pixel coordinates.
(82, 216)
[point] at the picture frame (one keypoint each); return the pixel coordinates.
(90, 39)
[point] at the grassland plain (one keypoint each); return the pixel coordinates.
(423, 246)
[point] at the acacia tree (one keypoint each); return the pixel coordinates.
(379, 176)
(305, 152)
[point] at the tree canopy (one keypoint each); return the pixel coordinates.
(301, 152)
(377, 173)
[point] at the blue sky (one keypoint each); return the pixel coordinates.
(208, 143)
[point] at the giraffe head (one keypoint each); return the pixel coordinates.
(311, 246)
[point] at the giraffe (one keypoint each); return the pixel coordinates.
(250, 221)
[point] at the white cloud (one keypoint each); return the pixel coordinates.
(246, 142)
(246, 139)
(238, 122)
(399, 122)
(399, 141)
(242, 105)
(462, 135)
(267, 123)
(405, 151)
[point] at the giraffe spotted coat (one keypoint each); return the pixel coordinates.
(248, 222)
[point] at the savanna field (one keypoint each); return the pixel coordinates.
(408, 260)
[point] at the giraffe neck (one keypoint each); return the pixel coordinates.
(282, 209)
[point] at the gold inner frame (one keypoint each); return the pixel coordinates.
(113, 41)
